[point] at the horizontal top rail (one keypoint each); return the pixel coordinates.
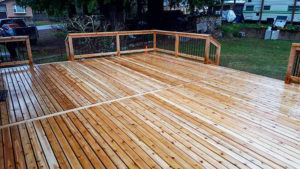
(295, 44)
(17, 39)
(95, 34)
(214, 41)
(139, 32)
(185, 34)
(14, 38)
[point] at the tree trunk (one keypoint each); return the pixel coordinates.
(294, 10)
(71, 10)
(117, 15)
(222, 7)
(139, 8)
(155, 11)
(114, 13)
(234, 5)
(261, 11)
(85, 9)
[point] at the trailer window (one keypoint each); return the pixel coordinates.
(291, 8)
(249, 8)
(267, 8)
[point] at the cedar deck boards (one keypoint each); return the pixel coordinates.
(146, 111)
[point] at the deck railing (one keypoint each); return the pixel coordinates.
(293, 71)
(197, 46)
(15, 50)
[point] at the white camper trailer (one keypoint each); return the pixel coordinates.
(271, 9)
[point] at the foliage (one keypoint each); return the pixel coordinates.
(58, 7)
(85, 24)
(201, 3)
(231, 29)
(234, 29)
(53, 7)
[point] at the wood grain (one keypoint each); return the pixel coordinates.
(146, 111)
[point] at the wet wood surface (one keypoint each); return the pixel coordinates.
(146, 111)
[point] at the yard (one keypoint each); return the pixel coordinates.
(263, 57)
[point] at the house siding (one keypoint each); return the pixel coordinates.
(10, 11)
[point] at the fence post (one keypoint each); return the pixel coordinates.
(28, 47)
(218, 53)
(290, 65)
(118, 45)
(207, 49)
(176, 44)
(67, 48)
(71, 49)
(154, 41)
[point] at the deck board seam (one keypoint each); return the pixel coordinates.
(101, 103)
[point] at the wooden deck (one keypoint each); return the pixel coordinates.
(146, 111)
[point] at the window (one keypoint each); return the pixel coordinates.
(249, 8)
(19, 9)
(291, 8)
(2, 8)
(267, 8)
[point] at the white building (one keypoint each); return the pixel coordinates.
(271, 9)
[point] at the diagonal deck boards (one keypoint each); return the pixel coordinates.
(147, 111)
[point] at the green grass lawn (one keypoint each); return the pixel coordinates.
(263, 57)
(40, 23)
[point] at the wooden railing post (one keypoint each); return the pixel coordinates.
(71, 49)
(207, 49)
(67, 48)
(290, 65)
(118, 45)
(176, 45)
(218, 53)
(28, 47)
(154, 41)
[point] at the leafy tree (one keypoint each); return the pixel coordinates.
(155, 8)
(114, 11)
(53, 7)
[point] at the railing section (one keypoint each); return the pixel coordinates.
(197, 46)
(293, 71)
(15, 50)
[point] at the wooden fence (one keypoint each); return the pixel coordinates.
(293, 71)
(197, 46)
(15, 50)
